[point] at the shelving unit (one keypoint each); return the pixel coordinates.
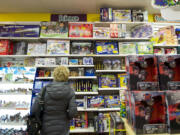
(81, 130)
(110, 71)
(86, 93)
(111, 89)
(98, 109)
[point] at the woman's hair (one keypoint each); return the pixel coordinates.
(61, 74)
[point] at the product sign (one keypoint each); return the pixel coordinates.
(69, 17)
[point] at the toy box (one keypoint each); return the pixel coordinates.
(106, 47)
(169, 73)
(112, 102)
(101, 32)
(170, 51)
(143, 72)
(127, 48)
(58, 47)
(95, 101)
(20, 31)
(122, 80)
(54, 29)
(150, 112)
(80, 30)
(118, 30)
(88, 61)
(73, 61)
(4, 47)
(20, 48)
(177, 32)
(89, 72)
(80, 103)
(139, 16)
(81, 48)
(107, 81)
(159, 51)
(116, 64)
(145, 48)
(142, 31)
(173, 102)
(106, 14)
(122, 15)
(38, 85)
(36, 49)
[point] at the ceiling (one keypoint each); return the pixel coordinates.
(70, 6)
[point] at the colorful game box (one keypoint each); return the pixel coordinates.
(106, 47)
(107, 81)
(127, 48)
(170, 51)
(169, 73)
(173, 102)
(112, 102)
(36, 49)
(101, 32)
(58, 47)
(4, 47)
(150, 112)
(159, 51)
(122, 80)
(81, 30)
(81, 48)
(95, 102)
(145, 48)
(106, 14)
(54, 29)
(143, 73)
(122, 15)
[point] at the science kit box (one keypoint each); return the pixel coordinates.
(169, 73)
(81, 30)
(150, 112)
(143, 73)
(173, 102)
(106, 47)
(54, 29)
(58, 47)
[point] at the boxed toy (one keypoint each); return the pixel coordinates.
(145, 48)
(142, 31)
(143, 72)
(107, 81)
(81, 30)
(4, 47)
(54, 29)
(40, 62)
(171, 51)
(177, 32)
(150, 112)
(127, 48)
(107, 64)
(81, 48)
(36, 49)
(118, 30)
(80, 103)
(101, 32)
(173, 102)
(159, 51)
(95, 101)
(122, 80)
(20, 48)
(122, 15)
(6, 31)
(73, 61)
(116, 64)
(58, 47)
(106, 14)
(139, 16)
(106, 47)
(89, 72)
(112, 102)
(87, 61)
(169, 73)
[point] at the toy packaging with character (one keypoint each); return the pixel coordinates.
(150, 112)
(81, 30)
(169, 73)
(54, 29)
(143, 73)
(173, 101)
(106, 47)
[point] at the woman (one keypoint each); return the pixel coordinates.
(59, 104)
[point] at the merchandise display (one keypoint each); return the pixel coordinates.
(143, 72)
(54, 29)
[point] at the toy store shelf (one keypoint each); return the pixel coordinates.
(14, 56)
(19, 109)
(86, 93)
(110, 71)
(44, 78)
(109, 89)
(83, 77)
(166, 46)
(107, 55)
(82, 130)
(18, 127)
(98, 109)
(130, 131)
(70, 66)
(20, 38)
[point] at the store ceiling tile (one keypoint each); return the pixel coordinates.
(70, 6)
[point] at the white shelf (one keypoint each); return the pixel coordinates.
(83, 77)
(82, 130)
(113, 89)
(97, 109)
(20, 38)
(86, 93)
(113, 55)
(72, 77)
(164, 46)
(17, 127)
(70, 66)
(110, 71)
